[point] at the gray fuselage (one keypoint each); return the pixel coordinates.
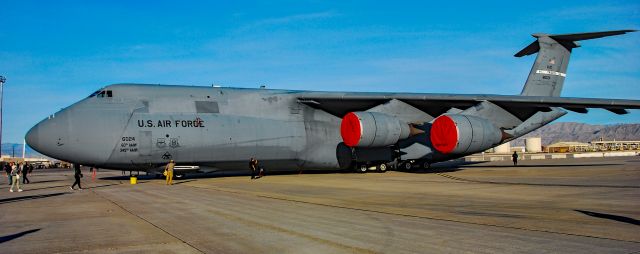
(143, 126)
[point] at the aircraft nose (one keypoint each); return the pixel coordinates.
(48, 136)
(33, 138)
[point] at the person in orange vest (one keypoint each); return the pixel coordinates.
(93, 174)
(168, 172)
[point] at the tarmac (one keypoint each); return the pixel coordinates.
(588, 205)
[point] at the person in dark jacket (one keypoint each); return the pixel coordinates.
(7, 169)
(514, 157)
(25, 171)
(253, 166)
(77, 174)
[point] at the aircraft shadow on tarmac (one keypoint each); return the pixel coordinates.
(45, 181)
(547, 165)
(186, 181)
(7, 238)
(453, 166)
(442, 167)
(43, 188)
(30, 197)
(449, 166)
(230, 173)
(610, 217)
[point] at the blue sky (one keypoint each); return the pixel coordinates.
(54, 53)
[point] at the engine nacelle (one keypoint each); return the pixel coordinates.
(372, 129)
(463, 134)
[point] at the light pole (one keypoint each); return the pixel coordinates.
(2, 80)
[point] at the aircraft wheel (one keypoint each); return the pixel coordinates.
(362, 169)
(382, 168)
(407, 165)
(426, 165)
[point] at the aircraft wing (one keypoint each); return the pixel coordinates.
(339, 104)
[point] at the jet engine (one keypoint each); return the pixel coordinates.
(372, 129)
(463, 134)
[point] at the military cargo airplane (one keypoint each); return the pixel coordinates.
(142, 126)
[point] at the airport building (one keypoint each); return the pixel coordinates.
(593, 146)
(39, 162)
(567, 147)
(534, 145)
(615, 145)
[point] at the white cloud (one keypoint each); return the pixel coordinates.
(295, 18)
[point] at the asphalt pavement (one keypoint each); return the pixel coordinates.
(542, 206)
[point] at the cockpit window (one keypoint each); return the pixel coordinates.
(94, 93)
(102, 93)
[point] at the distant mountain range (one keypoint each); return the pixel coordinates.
(582, 132)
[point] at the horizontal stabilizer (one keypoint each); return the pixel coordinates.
(588, 36)
(567, 40)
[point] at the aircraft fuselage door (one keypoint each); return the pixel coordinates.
(145, 143)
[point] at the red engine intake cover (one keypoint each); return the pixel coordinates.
(351, 129)
(444, 134)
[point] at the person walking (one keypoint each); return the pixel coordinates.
(261, 171)
(77, 174)
(253, 166)
(7, 170)
(93, 174)
(15, 177)
(25, 171)
(514, 157)
(168, 172)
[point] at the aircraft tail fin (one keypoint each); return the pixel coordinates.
(549, 70)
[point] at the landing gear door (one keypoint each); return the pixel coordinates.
(145, 144)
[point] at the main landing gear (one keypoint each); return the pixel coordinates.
(364, 168)
(382, 168)
(409, 165)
